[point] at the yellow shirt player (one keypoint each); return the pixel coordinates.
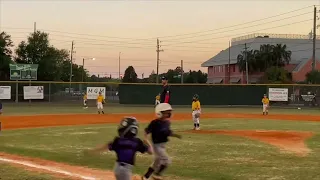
(265, 104)
(100, 102)
(85, 100)
(157, 100)
(196, 111)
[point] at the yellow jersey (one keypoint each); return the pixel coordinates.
(265, 101)
(100, 98)
(196, 105)
(85, 97)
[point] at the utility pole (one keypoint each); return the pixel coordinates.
(71, 62)
(314, 38)
(182, 72)
(229, 73)
(245, 48)
(158, 60)
(34, 48)
(119, 65)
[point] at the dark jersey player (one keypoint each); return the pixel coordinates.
(126, 145)
(160, 132)
(165, 94)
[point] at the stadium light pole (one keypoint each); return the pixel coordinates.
(83, 65)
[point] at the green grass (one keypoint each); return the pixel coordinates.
(196, 156)
(8, 172)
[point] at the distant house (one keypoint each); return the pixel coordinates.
(300, 64)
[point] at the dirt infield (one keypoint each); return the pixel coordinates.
(59, 170)
(286, 140)
(15, 122)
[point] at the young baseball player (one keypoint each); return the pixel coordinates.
(265, 104)
(160, 131)
(100, 102)
(126, 145)
(196, 111)
(85, 100)
(157, 100)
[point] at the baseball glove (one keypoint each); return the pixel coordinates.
(197, 115)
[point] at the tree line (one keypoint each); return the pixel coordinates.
(173, 75)
(54, 64)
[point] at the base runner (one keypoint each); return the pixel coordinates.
(160, 131)
(126, 145)
(196, 111)
(85, 101)
(265, 104)
(100, 102)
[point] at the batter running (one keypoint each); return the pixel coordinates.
(160, 131)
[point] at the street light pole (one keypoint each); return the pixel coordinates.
(83, 67)
(119, 65)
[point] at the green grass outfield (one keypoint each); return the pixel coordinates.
(47, 108)
(196, 156)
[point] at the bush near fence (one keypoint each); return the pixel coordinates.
(144, 94)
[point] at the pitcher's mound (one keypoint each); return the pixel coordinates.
(286, 140)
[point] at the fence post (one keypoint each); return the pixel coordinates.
(49, 92)
(17, 92)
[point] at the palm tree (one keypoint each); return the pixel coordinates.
(265, 56)
(251, 58)
(281, 55)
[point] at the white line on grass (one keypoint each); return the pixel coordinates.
(51, 169)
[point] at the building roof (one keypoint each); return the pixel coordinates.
(299, 45)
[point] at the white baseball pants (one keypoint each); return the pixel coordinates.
(99, 105)
(265, 108)
(196, 120)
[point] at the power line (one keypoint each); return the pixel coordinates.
(243, 27)
(239, 24)
(152, 38)
(306, 20)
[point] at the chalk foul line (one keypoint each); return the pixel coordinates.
(47, 168)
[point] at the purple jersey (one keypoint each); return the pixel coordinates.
(159, 130)
(126, 149)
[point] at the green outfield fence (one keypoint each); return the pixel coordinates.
(144, 94)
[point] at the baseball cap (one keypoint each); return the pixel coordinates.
(164, 78)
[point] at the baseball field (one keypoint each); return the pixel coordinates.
(47, 142)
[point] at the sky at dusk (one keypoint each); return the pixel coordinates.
(192, 31)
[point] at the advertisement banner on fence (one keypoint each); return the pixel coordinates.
(33, 92)
(278, 94)
(5, 92)
(93, 92)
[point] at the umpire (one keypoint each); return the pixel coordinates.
(165, 95)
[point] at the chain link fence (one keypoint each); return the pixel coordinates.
(72, 93)
(59, 92)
